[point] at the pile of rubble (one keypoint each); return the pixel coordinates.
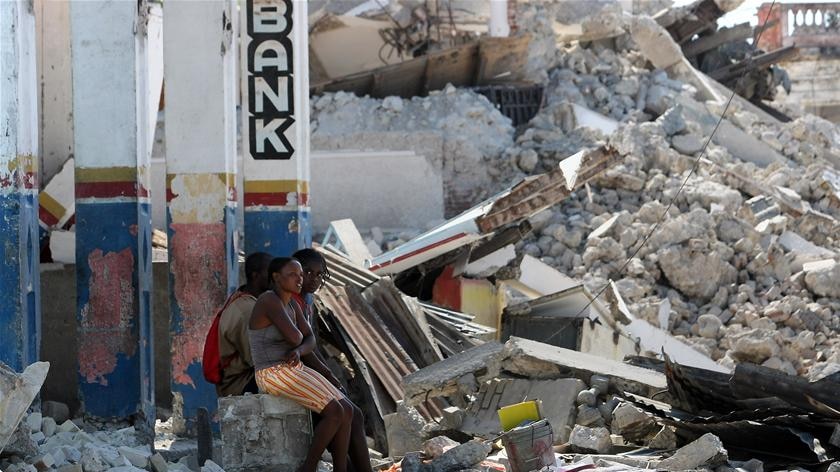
(745, 263)
(50, 440)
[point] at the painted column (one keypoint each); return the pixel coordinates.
(112, 101)
(20, 313)
(200, 112)
(275, 125)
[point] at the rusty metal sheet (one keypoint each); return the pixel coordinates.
(344, 272)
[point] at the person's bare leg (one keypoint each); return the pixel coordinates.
(341, 440)
(332, 419)
(359, 454)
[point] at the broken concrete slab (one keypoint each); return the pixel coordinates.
(543, 361)
(557, 404)
(655, 43)
(16, 394)
(404, 430)
(706, 451)
(441, 379)
(254, 426)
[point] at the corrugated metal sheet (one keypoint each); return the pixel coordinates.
(343, 272)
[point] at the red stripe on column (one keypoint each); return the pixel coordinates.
(110, 190)
(273, 199)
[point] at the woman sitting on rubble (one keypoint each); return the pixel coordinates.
(279, 336)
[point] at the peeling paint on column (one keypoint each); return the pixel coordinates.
(199, 289)
(107, 320)
(200, 211)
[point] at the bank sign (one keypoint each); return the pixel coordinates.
(270, 79)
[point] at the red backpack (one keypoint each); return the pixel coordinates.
(211, 362)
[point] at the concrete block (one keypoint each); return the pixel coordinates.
(705, 451)
(21, 443)
(16, 394)
(589, 440)
(452, 418)
(48, 426)
(255, 427)
(33, 420)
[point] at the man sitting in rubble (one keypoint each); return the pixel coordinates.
(315, 274)
(238, 376)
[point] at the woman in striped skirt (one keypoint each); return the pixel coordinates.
(279, 336)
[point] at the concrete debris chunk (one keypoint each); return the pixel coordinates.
(211, 466)
(822, 278)
(631, 422)
(404, 430)
(441, 378)
(16, 394)
(590, 440)
(56, 410)
(706, 451)
(461, 457)
(438, 445)
(665, 438)
(48, 426)
(158, 463)
(654, 42)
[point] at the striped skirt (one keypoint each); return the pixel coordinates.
(298, 383)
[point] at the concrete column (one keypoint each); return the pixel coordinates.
(200, 112)
(20, 313)
(499, 27)
(112, 102)
(275, 125)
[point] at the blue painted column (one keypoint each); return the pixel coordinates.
(20, 312)
(201, 117)
(114, 94)
(275, 125)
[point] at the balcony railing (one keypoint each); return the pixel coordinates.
(810, 24)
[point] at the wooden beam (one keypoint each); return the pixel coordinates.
(721, 37)
(762, 60)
